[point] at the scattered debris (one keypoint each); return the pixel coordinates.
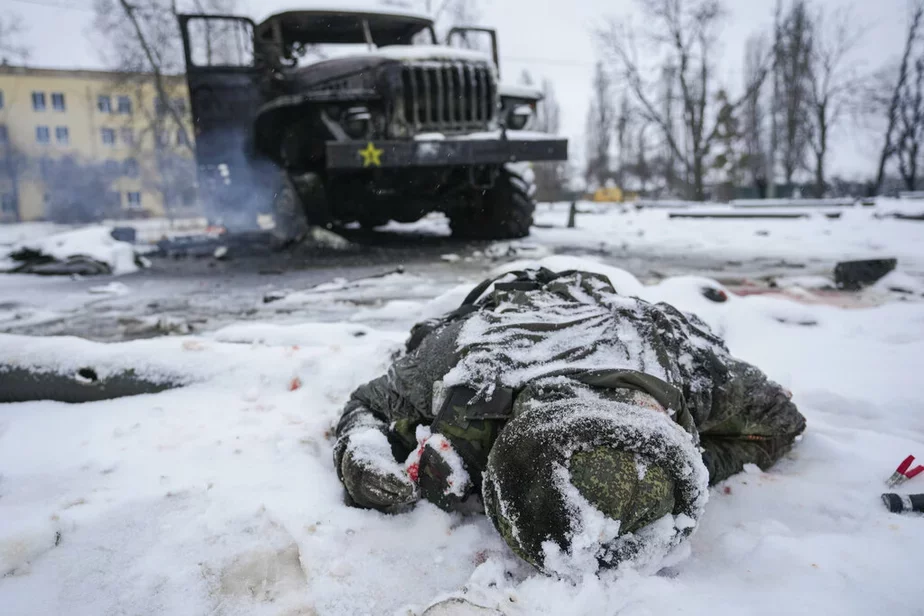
(113, 288)
(125, 234)
(503, 250)
(820, 283)
(802, 322)
(154, 326)
(715, 295)
(738, 215)
(329, 239)
(274, 296)
(91, 251)
(451, 258)
(854, 275)
(34, 263)
(900, 282)
(221, 253)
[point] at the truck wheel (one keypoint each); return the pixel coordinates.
(291, 225)
(504, 211)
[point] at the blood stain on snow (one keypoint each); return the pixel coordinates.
(295, 384)
(727, 490)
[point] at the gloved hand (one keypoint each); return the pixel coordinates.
(443, 477)
(371, 475)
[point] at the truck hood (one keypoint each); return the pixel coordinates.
(316, 73)
(428, 52)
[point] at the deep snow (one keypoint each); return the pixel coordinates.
(221, 497)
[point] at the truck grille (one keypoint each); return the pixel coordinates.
(449, 96)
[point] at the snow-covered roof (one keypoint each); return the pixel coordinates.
(402, 8)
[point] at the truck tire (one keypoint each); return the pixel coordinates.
(504, 211)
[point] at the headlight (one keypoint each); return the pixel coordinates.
(356, 122)
(518, 117)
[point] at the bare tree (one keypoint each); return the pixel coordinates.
(641, 166)
(548, 111)
(452, 13)
(729, 159)
(910, 127)
(892, 107)
(793, 66)
(772, 154)
(145, 48)
(600, 122)
(686, 31)
(833, 85)
(754, 130)
(623, 139)
(11, 47)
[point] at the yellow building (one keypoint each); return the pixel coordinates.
(79, 144)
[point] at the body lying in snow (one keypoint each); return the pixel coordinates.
(589, 424)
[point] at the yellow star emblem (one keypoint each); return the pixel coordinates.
(372, 156)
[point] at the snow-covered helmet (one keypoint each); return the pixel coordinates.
(573, 487)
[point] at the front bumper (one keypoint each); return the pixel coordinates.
(450, 152)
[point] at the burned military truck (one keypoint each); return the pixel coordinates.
(339, 116)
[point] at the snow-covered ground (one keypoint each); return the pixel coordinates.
(857, 234)
(221, 498)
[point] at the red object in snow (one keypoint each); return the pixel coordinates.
(902, 474)
(413, 471)
(914, 472)
(295, 384)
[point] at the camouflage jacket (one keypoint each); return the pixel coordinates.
(516, 340)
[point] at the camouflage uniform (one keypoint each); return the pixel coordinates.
(528, 348)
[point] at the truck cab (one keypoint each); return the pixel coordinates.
(360, 116)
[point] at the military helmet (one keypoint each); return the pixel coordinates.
(574, 485)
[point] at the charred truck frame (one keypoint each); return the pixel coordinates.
(393, 130)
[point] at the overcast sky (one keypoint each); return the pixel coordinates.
(550, 38)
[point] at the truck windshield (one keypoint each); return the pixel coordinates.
(306, 53)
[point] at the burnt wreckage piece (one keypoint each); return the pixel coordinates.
(334, 117)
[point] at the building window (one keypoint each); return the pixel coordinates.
(182, 138)
(133, 199)
(57, 101)
(1, 99)
(125, 104)
(131, 167)
(62, 135)
(104, 104)
(38, 101)
(108, 135)
(163, 138)
(128, 136)
(8, 203)
(4, 133)
(42, 134)
(112, 168)
(179, 105)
